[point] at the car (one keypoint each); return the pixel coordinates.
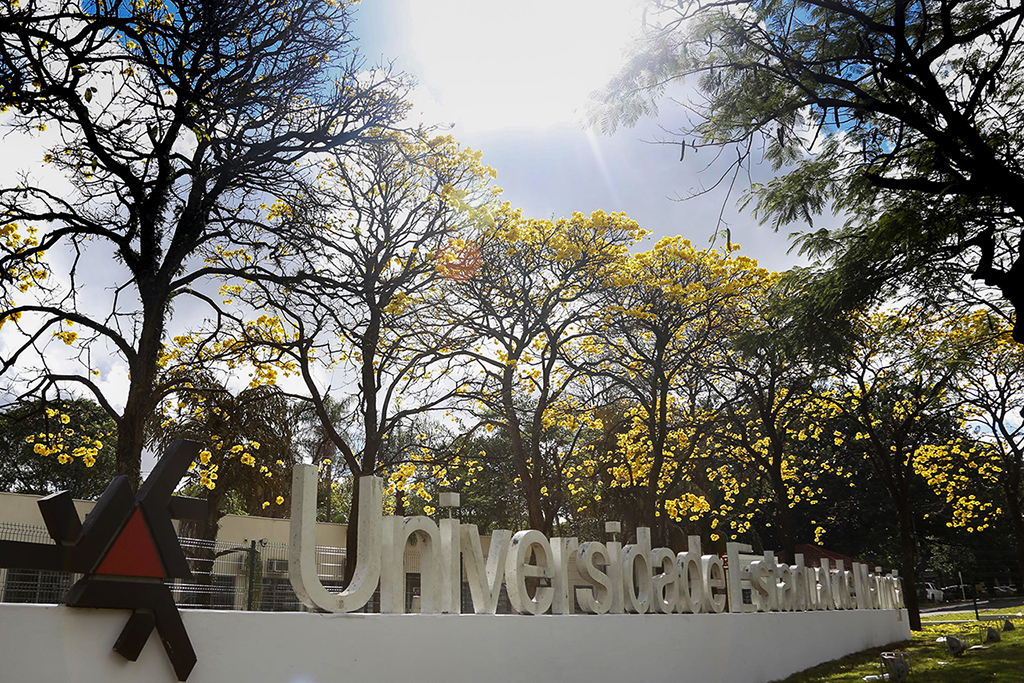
(1005, 590)
(933, 594)
(960, 591)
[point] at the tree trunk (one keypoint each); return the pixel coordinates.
(527, 482)
(658, 426)
(328, 481)
(908, 548)
(783, 520)
(534, 511)
(328, 507)
(371, 436)
(784, 525)
(131, 429)
(130, 435)
(368, 462)
(352, 533)
(1017, 522)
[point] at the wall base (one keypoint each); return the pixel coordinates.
(57, 644)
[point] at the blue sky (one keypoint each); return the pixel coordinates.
(513, 81)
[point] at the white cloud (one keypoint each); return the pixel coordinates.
(530, 64)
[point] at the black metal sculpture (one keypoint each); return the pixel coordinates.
(127, 548)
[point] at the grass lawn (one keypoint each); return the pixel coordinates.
(931, 662)
(967, 612)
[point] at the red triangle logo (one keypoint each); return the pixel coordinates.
(133, 552)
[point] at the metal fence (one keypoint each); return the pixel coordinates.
(252, 575)
(31, 585)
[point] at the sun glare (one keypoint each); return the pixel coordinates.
(529, 64)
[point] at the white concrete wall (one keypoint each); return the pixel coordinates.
(21, 508)
(236, 528)
(52, 643)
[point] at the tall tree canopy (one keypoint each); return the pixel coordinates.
(373, 239)
(79, 459)
(663, 316)
(773, 415)
(524, 309)
(903, 116)
(979, 475)
(894, 388)
(172, 125)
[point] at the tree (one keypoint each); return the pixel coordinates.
(979, 473)
(380, 223)
(487, 500)
(62, 448)
(903, 116)
(685, 490)
(173, 124)
(247, 459)
(423, 457)
(895, 390)
(396, 207)
(523, 310)
(314, 440)
(772, 409)
(249, 445)
(663, 316)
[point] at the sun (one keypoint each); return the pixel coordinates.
(530, 64)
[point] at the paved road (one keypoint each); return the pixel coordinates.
(953, 607)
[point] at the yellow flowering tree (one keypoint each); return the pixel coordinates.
(664, 316)
(363, 323)
(245, 465)
(686, 492)
(56, 447)
(249, 446)
(894, 390)
(522, 312)
(773, 417)
(161, 127)
(981, 475)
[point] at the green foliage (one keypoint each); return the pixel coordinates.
(248, 440)
(904, 118)
(22, 470)
(340, 498)
(489, 501)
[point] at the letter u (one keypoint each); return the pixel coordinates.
(302, 545)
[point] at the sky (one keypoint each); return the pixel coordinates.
(514, 81)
